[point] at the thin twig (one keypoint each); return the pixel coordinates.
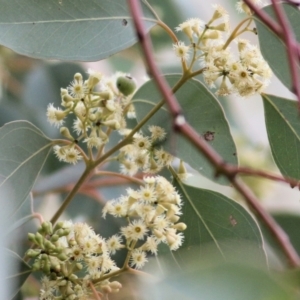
(190, 134)
(264, 17)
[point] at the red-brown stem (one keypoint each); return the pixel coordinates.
(190, 134)
(265, 18)
(285, 33)
(291, 46)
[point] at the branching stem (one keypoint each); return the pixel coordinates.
(211, 155)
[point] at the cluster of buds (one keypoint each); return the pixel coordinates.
(245, 74)
(99, 105)
(153, 213)
(144, 153)
(71, 257)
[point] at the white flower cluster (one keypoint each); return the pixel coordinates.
(245, 74)
(71, 256)
(144, 154)
(153, 213)
(99, 105)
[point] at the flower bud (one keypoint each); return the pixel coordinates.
(64, 131)
(47, 227)
(78, 77)
(58, 225)
(54, 238)
(60, 232)
(32, 253)
(94, 79)
(106, 289)
(174, 218)
(110, 105)
(60, 114)
(63, 92)
(78, 267)
(158, 233)
(126, 85)
(36, 265)
(31, 237)
(107, 95)
(62, 256)
(113, 124)
(73, 277)
(62, 283)
(180, 226)
(115, 285)
(69, 291)
(103, 136)
(39, 239)
(46, 266)
(49, 246)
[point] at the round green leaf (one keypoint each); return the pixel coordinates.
(223, 224)
(23, 151)
(272, 47)
(203, 112)
(68, 29)
(283, 128)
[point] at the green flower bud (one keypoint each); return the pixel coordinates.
(60, 232)
(36, 265)
(47, 227)
(31, 237)
(49, 246)
(46, 266)
(62, 256)
(59, 249)
(32, 253)
(44, 256)
(126, 85)
(39, 239)
(58, 226)
(54, 238)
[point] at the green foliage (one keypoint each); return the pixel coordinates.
(219, 224)
(208, 246)
(223, 281)
(68, 30)
(203, 112)
(20, 166)
(282, 123)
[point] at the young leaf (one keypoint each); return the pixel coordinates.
(23, 151)
(203, 112)
(283, 127)
(68, 29)
(272, 47)
(214, 219)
